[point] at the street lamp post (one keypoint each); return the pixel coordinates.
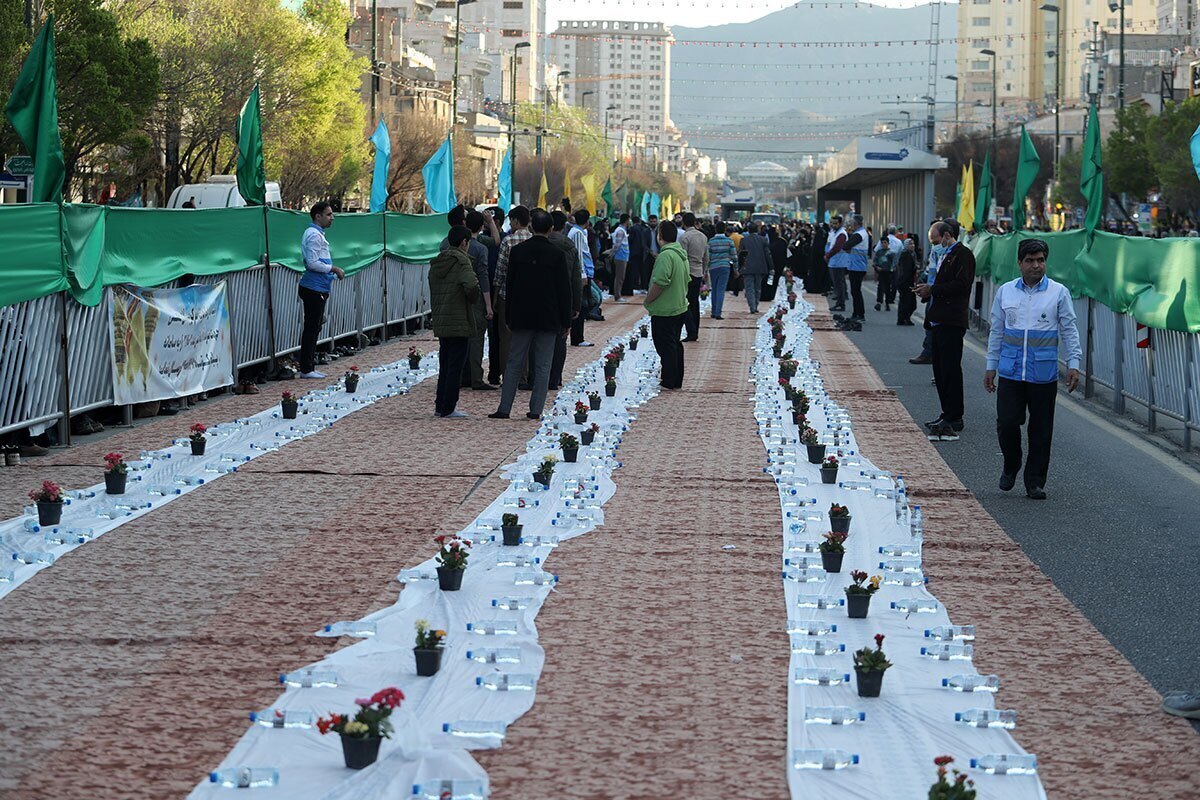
(955, 79)
(457, 42)
(583, 101)
(1115, 5)
(633, 149)
(607, 143)
(512, 98)
(1057, 72)
(992, 54)
(546, 112)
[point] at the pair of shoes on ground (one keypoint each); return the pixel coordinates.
(584, 344)
(921, 359)
(1182, 704)
(32, 450)
(1007, 482)
(505, 415)
(82, 426)
(451, 415)
(942, 430)
(312, 374)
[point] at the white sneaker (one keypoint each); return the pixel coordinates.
(622, 299)
(639, 291)
(585, 344)
(313, 374)
(456, 415)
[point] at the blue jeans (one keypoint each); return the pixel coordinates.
(720, 282)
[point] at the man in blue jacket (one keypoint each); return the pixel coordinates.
(1031, 317)
(315, 285)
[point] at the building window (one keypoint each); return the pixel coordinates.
(980, 65)
(981, 22)
(514, 4)
(514, 33)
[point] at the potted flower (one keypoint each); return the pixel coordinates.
(703, 292)
(428, 650)
(858, 594)
(833, 550)
(594, 400)
(49, 501)
(800, 401)
(570, 447)
(116, 472)
(414, 358)
(829, 469)
(581, 412)
(799, 419)
(839, 518)
(643, 331)
(588, 435)
(610, 387)
(816, 450)
(351, 379)
(791, 297)
(788, 366)
(362, 733)
(510, 528)
(961, 788)
(545, 471)
(869, 666)
(290, 404)
(633, 343)
(611, 361)
(196, 434)
(452, 561)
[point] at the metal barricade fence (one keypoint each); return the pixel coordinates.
(32, 333)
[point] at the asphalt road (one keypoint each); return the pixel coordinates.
(1118, 534)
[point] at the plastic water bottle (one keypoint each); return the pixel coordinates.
(33, 557)
(111, 512)
(819, 601)
(811, 575)
(7, 575)
(800, 546)
(407, 576)
(162, 490)
(280, 718)
(76, 535)
(540, 541)
(452, 789)
(901, 504)
(31, 525)
(1006, 763)
(305, 679)
(512, 603)
(827, 758)
(245, 777)
(534, 579)
(820, 676)
(972, 683)
(900, 486)
(221, 469)
(951, 633)
(810, 628)
(904, 579)
(493, 627)
(189, 480)
(855, 486)
(987, 718)
(803, 562)
(80, 494)
(833, 715)
(949, 652)
(507, 559)
(917, 525)
(903, 565)
(495, 655)
(361, 630)
(476, 729)
(901, 550)
(915, 605)
(506, 682)
(806, 645)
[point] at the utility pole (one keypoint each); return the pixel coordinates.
(1057, 86)
(374, 58)
(512, 145)
(458, 4)
(992, 54)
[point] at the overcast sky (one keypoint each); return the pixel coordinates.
(694, 14)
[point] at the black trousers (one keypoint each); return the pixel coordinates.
(558, 361)
(1013, 400)
(691, 318)
(314, 318)
(577, 326)
(856, 295)
(946, 351)
(452, 355)
(885, 287)
(908, 304)
(664, 332)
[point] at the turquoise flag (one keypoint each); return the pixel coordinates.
(655, 204)
(383, 156)
(1196, 151)
(504, 182)
(438, 173)
(643, 204)
(33, 111)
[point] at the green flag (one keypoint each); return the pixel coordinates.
(983, 199)
(1091, 175)
(606, 194)
(251, 172)
(33, 111)
(1028, 165)
(637, 204)
(958, 193)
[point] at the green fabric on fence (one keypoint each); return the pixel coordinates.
(415, 238)
(32, 264)
(82, 250)
(1156, 281)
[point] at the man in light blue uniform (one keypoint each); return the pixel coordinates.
(1031, 316)
(315, 285)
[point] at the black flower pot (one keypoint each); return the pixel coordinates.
(49, 513)
(857, 605)
(290, 410)
(543, 478)
(198, 446)
(777, 352)
(594, 402)
(414, 363)
(633, 344)
(816, 453)
(610, 391)
(512, 534)
(429, 661)
(643, 334)
(587, 436)
(351, 387)
(828, 475)
(832, 562)
(791, 303)
(839, 524)
(581, 418)
(360, 753)
(450, 580)
(798, 417)
(570, 455)
(114, 482)
(610, 371)
(869, 683)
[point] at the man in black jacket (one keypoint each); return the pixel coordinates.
(537, 309)
(946, 320)
(562, 242)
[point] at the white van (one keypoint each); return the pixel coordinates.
(220, 191)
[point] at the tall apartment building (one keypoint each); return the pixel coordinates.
(503, 24)
(626, 65)
(1180, 18)
(1024, 39)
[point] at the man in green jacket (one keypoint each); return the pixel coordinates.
(453, 292)
(667, 303)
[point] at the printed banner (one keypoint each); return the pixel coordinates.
(169, 342)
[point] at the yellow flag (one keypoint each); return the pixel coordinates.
(589, 192)
(543, 192)
(966, 207)
(567, 183)
(668, 208)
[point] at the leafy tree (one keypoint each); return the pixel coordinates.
(967, 147)
(1128, 168)
(1167, 139)
(1066, 188)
